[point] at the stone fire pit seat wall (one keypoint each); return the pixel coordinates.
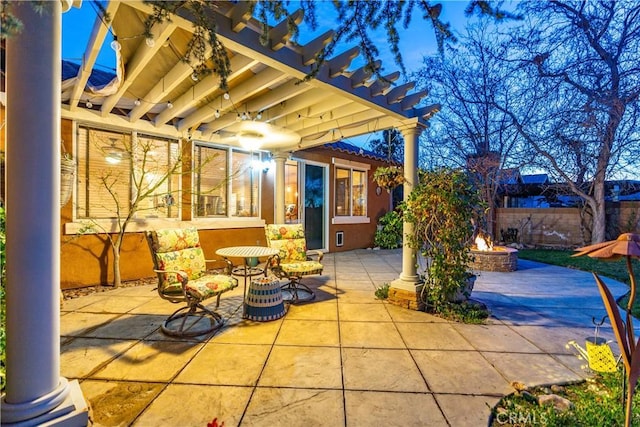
(501, 259)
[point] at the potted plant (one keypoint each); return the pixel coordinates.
(389, 177)
(442, 208)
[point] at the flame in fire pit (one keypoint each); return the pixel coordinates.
(483, 242)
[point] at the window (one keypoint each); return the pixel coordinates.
(115, 169)
(226, 182)
(351, 192)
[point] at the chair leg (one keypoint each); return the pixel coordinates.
(194, 320)
(299, 291)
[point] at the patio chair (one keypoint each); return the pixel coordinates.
(179, 262)
(293, 261)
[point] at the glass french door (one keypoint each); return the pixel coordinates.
(306, 200)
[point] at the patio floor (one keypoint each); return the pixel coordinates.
(344, 359)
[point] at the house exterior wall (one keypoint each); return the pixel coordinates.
(560, 227)
(356, 236)
(87, 259)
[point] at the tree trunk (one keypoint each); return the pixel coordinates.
(116, 264)
(598, 229)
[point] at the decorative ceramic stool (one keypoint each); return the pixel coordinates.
(264, 300)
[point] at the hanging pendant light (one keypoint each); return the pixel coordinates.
(114, 154)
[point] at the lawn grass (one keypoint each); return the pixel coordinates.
(616, 270)
(596, 403)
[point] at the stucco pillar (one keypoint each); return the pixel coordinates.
(35, 392)
(279, 158)
(408, 279)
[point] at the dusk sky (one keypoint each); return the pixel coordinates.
(416, 41)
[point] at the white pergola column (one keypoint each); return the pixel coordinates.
(408, 277)
(280, 158)
(35, 392)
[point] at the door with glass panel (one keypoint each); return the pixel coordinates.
(306, 200)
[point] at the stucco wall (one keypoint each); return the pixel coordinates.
(561, 226)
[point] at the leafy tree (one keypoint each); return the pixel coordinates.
(575, 95)
(470, 131)
(390, 145)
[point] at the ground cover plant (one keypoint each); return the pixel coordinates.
(616, 270)
(595, 402)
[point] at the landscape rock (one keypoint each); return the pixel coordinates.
(559, 403)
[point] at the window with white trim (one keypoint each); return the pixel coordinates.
(226, 182)
(350, 191)
(115, 169)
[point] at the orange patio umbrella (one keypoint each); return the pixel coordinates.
(626, 245)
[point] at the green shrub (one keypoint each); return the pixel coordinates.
(389, 233)
(382, 292)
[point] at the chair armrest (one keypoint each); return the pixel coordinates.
(182, 274)
(316, 253)
(227, 269)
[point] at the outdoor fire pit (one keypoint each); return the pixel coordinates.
(487, 257)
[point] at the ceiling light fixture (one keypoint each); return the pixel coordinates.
(115, 44)
(114, 155)
(251, 140)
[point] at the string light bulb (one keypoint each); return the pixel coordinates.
(115, 44)
(226, 95)
(169, 105)
(89, 104)
(150, 41)
(217, 114)
(259, 115)
(137, 102)
(194, 76)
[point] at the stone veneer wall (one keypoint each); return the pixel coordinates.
(406, 299)
(504, 260)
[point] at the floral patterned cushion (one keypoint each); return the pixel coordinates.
(302, 268)
(176, 239)
(289, 240)
(190, 260)
(210, 285)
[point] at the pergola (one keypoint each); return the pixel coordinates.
(154, 91)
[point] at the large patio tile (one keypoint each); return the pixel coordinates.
(118, 403)
(314, 310)
(464, 410)
(77, 304)
(531, 369)
(294, 407)
(495, 338)
(375, 312)
(371, 408)
(381, 370)
(138, 290)
(81, 356)
(302, 367)
(77, 324)
(401, 314)
(462, 372)
(432, 336)
(226, 364)
(196, 405)
(357, 296)
(156, 306)
(248, 332)
(116, 304)
(357, 284)
(150, 361)
(129, 326)
(309, 333)
(370, 335)
(553, 339)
